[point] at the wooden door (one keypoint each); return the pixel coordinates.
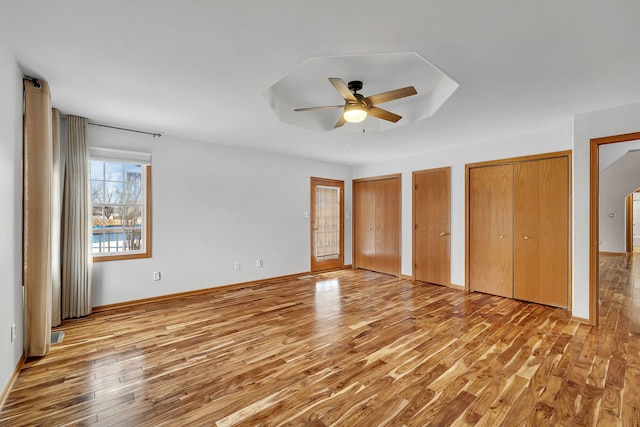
(387, 226)
(364, 222)
(541, 231)
(327, 219)
(491, 229)
(431, 234)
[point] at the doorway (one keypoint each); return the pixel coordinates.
(594, 217)
(327, 224)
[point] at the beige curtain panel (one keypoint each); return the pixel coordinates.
(77, 260)
(56, 218)
(38, 165)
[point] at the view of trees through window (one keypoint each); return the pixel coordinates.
(117, 196)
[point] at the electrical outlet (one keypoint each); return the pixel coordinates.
(13, 332)
(156, 275)
(237, 265)
(259, 263)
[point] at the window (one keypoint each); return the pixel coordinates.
(327, 222)
(120, 198)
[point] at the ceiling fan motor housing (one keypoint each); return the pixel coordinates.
(355, 85)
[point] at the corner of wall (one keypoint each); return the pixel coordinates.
(11, 304)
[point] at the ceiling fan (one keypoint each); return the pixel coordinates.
(357, 107)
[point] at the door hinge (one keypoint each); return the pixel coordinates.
(415, 227)
(415, 266)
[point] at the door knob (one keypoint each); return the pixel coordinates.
(442, 233)
(501, 236)
(526, 237)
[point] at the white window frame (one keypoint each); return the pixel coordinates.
(137, 158)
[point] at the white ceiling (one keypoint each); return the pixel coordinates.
(198, 69)
(307, 85)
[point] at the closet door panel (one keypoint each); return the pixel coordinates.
(491, 230)
(526, 229)
(387, 245)
(541, 247)
(365, 223)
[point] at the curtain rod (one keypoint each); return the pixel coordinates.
(37, 85)
(34, 80)
(153, 134)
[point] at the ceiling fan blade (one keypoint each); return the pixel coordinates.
(328, 107)
(383, 114)
(391, 95)
(342, 89)
(341, 121)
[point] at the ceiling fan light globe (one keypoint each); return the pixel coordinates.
(354, 114)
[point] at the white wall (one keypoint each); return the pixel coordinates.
(212, 206)
(613, 121)
(611, 152)
(11, 212)
(540, 142)
(617, 181)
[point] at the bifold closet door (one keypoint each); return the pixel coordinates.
(491, 230)
(541, 231)
(376, 224)
(364, 225)
(387, 226)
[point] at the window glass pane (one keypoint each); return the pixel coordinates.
(97, 169)
(132, 172)
(97, 192)
(108, 215)
(130, 216)
(98, 219)
(98, 224)
(112, 192)
(113, 171)
(132, 193)
(327, 222)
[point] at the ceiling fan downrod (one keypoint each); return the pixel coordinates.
(354, 86)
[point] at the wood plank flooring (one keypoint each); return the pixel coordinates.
(346, 348)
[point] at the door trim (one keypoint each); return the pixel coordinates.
(446, 169)
(594, 214)
(629, 224)
(331, 183)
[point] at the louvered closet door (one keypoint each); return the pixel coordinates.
(541, 245)
(491, 230)
(364, 225)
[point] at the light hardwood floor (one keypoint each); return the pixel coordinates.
(342, 348)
